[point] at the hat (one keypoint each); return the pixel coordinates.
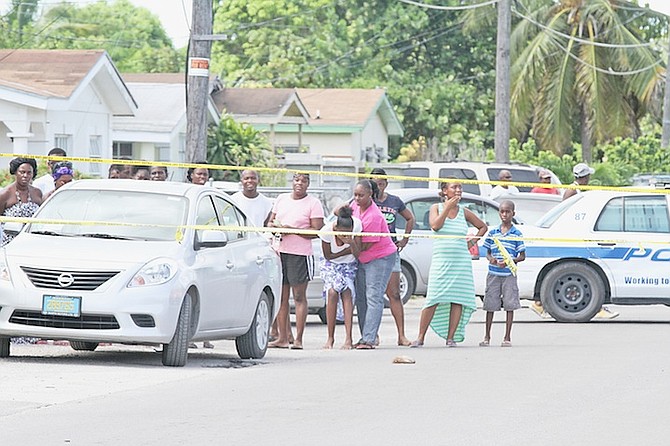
(544, 174)
(582, 170)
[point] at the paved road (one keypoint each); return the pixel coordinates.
(597, 383)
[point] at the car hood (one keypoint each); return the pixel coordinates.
(84, 252)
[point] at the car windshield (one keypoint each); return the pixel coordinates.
(550, 217)
(134, 215)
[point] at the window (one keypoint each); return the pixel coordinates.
(229, 216)
(518, 175)
(465, 174)
(63, 141)
(635, 214)
(421, 211)
(95, 141)
(162, 153)
(122, 150)
(415, 172)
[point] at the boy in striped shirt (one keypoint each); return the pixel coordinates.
(502, 290)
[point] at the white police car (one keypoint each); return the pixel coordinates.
(596, 247)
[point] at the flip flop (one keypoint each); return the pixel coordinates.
(273, 345)
(485, 343)
(416, 344)
(296, 347)
(364, 346)
(506, 344)
(451, 343)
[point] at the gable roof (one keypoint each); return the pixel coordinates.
(349, 107)
(160, 107)
(262, 105)
(60, 74)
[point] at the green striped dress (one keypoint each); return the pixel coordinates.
(450, 279)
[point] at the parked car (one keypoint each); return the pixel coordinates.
(112, 262)
(471, 170)
(415, 258)
(597, 247)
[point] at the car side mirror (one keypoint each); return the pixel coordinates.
(209, 238)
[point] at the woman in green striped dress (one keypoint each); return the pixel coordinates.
(450, 300)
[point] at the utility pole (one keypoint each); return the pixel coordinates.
(197, 84)
(665, 136)
(501, 129)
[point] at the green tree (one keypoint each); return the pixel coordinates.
(237, 144)
(133, 36)
(17, 22)
(566, 57)
(439, 80)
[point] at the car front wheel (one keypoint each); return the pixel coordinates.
(176, 352)
(254, 343)
(572, 292)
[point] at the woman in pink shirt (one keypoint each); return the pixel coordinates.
(376, 260)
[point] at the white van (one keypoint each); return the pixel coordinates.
(471, 170)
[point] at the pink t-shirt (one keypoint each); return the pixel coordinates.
(297, 214)
(374, 221)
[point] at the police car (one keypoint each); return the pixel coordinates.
(595, 248)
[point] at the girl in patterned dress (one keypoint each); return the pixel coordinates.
(450, 300)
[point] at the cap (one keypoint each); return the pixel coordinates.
(582, 170)
(544, 174)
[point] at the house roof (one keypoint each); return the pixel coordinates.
(349, 107)
(155, 78)
(160, 107)
(262, 105)
(59, 74)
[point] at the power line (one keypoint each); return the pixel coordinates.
(449, 8)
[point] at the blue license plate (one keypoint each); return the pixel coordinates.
(61, 306)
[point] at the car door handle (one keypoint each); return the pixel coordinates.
(259, 260)
(606, 244)
(230, 265)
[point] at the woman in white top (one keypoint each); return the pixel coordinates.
(338, 270)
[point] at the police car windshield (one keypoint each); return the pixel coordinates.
(550, 217)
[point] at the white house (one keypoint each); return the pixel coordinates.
(60, 98)
(157, 131)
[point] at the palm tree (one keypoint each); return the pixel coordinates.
(579, 67)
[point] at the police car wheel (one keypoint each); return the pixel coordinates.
(572, 292)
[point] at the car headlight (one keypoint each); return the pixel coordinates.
(155, 272)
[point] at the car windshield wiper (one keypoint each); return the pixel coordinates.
(107, 236)
(56, 234)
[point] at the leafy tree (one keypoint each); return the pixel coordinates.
(133, 36)
(565, 58)
(439, 81)
(232, 143)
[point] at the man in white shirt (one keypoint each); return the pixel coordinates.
(45, 183)
(256, 206)
(499, 191)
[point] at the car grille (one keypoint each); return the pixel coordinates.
(83, 322)
(82, 280)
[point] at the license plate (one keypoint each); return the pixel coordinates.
(61, 306)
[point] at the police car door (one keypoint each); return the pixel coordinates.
(637, 229)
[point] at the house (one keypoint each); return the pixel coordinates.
(61, 98)
(157, 131)
(352, 125)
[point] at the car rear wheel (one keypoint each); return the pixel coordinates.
(83, 345)
(176, 352)
(572, 292)
(4, 347)
(254, 343)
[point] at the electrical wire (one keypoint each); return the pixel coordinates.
(449, 8)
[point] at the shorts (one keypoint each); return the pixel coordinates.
(501, 292)
(396, 265)
(296, 269)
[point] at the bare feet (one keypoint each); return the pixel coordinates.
(329, 344)
(297, 345)
(404, 342)
(416, 344)
(346, 346)
(278, 344)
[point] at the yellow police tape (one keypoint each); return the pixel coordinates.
(321, 172)
(180, 229)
